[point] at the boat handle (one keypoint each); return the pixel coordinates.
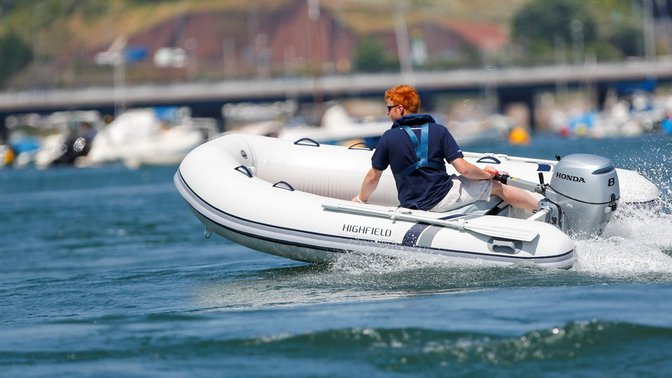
(243, 169)
(489, 159)
(310, 142)
(504, 246)
(283, 185)
(366, 146)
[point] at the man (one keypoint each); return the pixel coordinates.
(415, 148)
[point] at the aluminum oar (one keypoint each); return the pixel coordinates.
(480, 225)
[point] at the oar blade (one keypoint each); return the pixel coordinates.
(486, 226)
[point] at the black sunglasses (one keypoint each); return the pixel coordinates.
(390, 107)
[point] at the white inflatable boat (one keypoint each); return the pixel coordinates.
(292, 199)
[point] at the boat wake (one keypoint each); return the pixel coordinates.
(636, 242)
(635, 247)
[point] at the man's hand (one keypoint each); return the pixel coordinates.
(491, 171)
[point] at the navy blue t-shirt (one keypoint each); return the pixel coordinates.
(424, 187)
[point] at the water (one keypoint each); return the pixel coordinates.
(104, 272)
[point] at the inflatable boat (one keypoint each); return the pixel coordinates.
(292, 199)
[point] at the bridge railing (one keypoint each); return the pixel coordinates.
(238, 90)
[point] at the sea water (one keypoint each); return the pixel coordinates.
(105, 272)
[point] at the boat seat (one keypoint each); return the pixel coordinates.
(497, 208)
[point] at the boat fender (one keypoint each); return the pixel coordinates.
(421, 153)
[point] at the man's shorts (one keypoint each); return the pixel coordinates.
(464, 191)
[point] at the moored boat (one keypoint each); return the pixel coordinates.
(149, 136)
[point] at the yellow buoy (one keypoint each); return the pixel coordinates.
(519, 136)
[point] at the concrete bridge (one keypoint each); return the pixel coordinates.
(515, 84)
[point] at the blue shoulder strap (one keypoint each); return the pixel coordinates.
(421, 152)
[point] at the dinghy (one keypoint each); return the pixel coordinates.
(292, 199)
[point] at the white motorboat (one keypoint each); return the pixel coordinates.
(338, 127)
(292, 199)
(149, 137)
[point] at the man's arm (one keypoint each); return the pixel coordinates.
(472, 171)
(369, 185)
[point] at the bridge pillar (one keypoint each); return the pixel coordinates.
(601, 92)
(507, 96)
(4, 134)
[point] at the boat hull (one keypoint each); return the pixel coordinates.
(307, 246)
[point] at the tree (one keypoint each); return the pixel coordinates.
(628, 40)
(371, 57)
(15, 53)
(542, 24)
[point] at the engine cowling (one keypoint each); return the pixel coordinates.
(586, 189)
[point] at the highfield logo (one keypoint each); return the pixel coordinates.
(375, 231)
(569, 177)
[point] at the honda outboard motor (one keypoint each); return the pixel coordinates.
(585, 188)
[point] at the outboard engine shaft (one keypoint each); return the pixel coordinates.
(585, 188)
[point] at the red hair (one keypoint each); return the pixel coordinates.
(404, 95)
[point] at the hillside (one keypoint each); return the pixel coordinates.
(66, 35)
(95, 22)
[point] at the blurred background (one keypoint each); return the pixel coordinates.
(175, 73)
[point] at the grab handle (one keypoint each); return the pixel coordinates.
(283, 185)
(366, 146)
(244, 170)
(489, 159)
(307, 142)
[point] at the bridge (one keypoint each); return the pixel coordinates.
(514, 84)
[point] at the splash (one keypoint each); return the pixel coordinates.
(653, 163)
(371, 263)
(637, 241)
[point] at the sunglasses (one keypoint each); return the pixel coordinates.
(390, 107)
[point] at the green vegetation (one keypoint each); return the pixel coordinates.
(15, 55)
(553, 30)
(372, 57)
